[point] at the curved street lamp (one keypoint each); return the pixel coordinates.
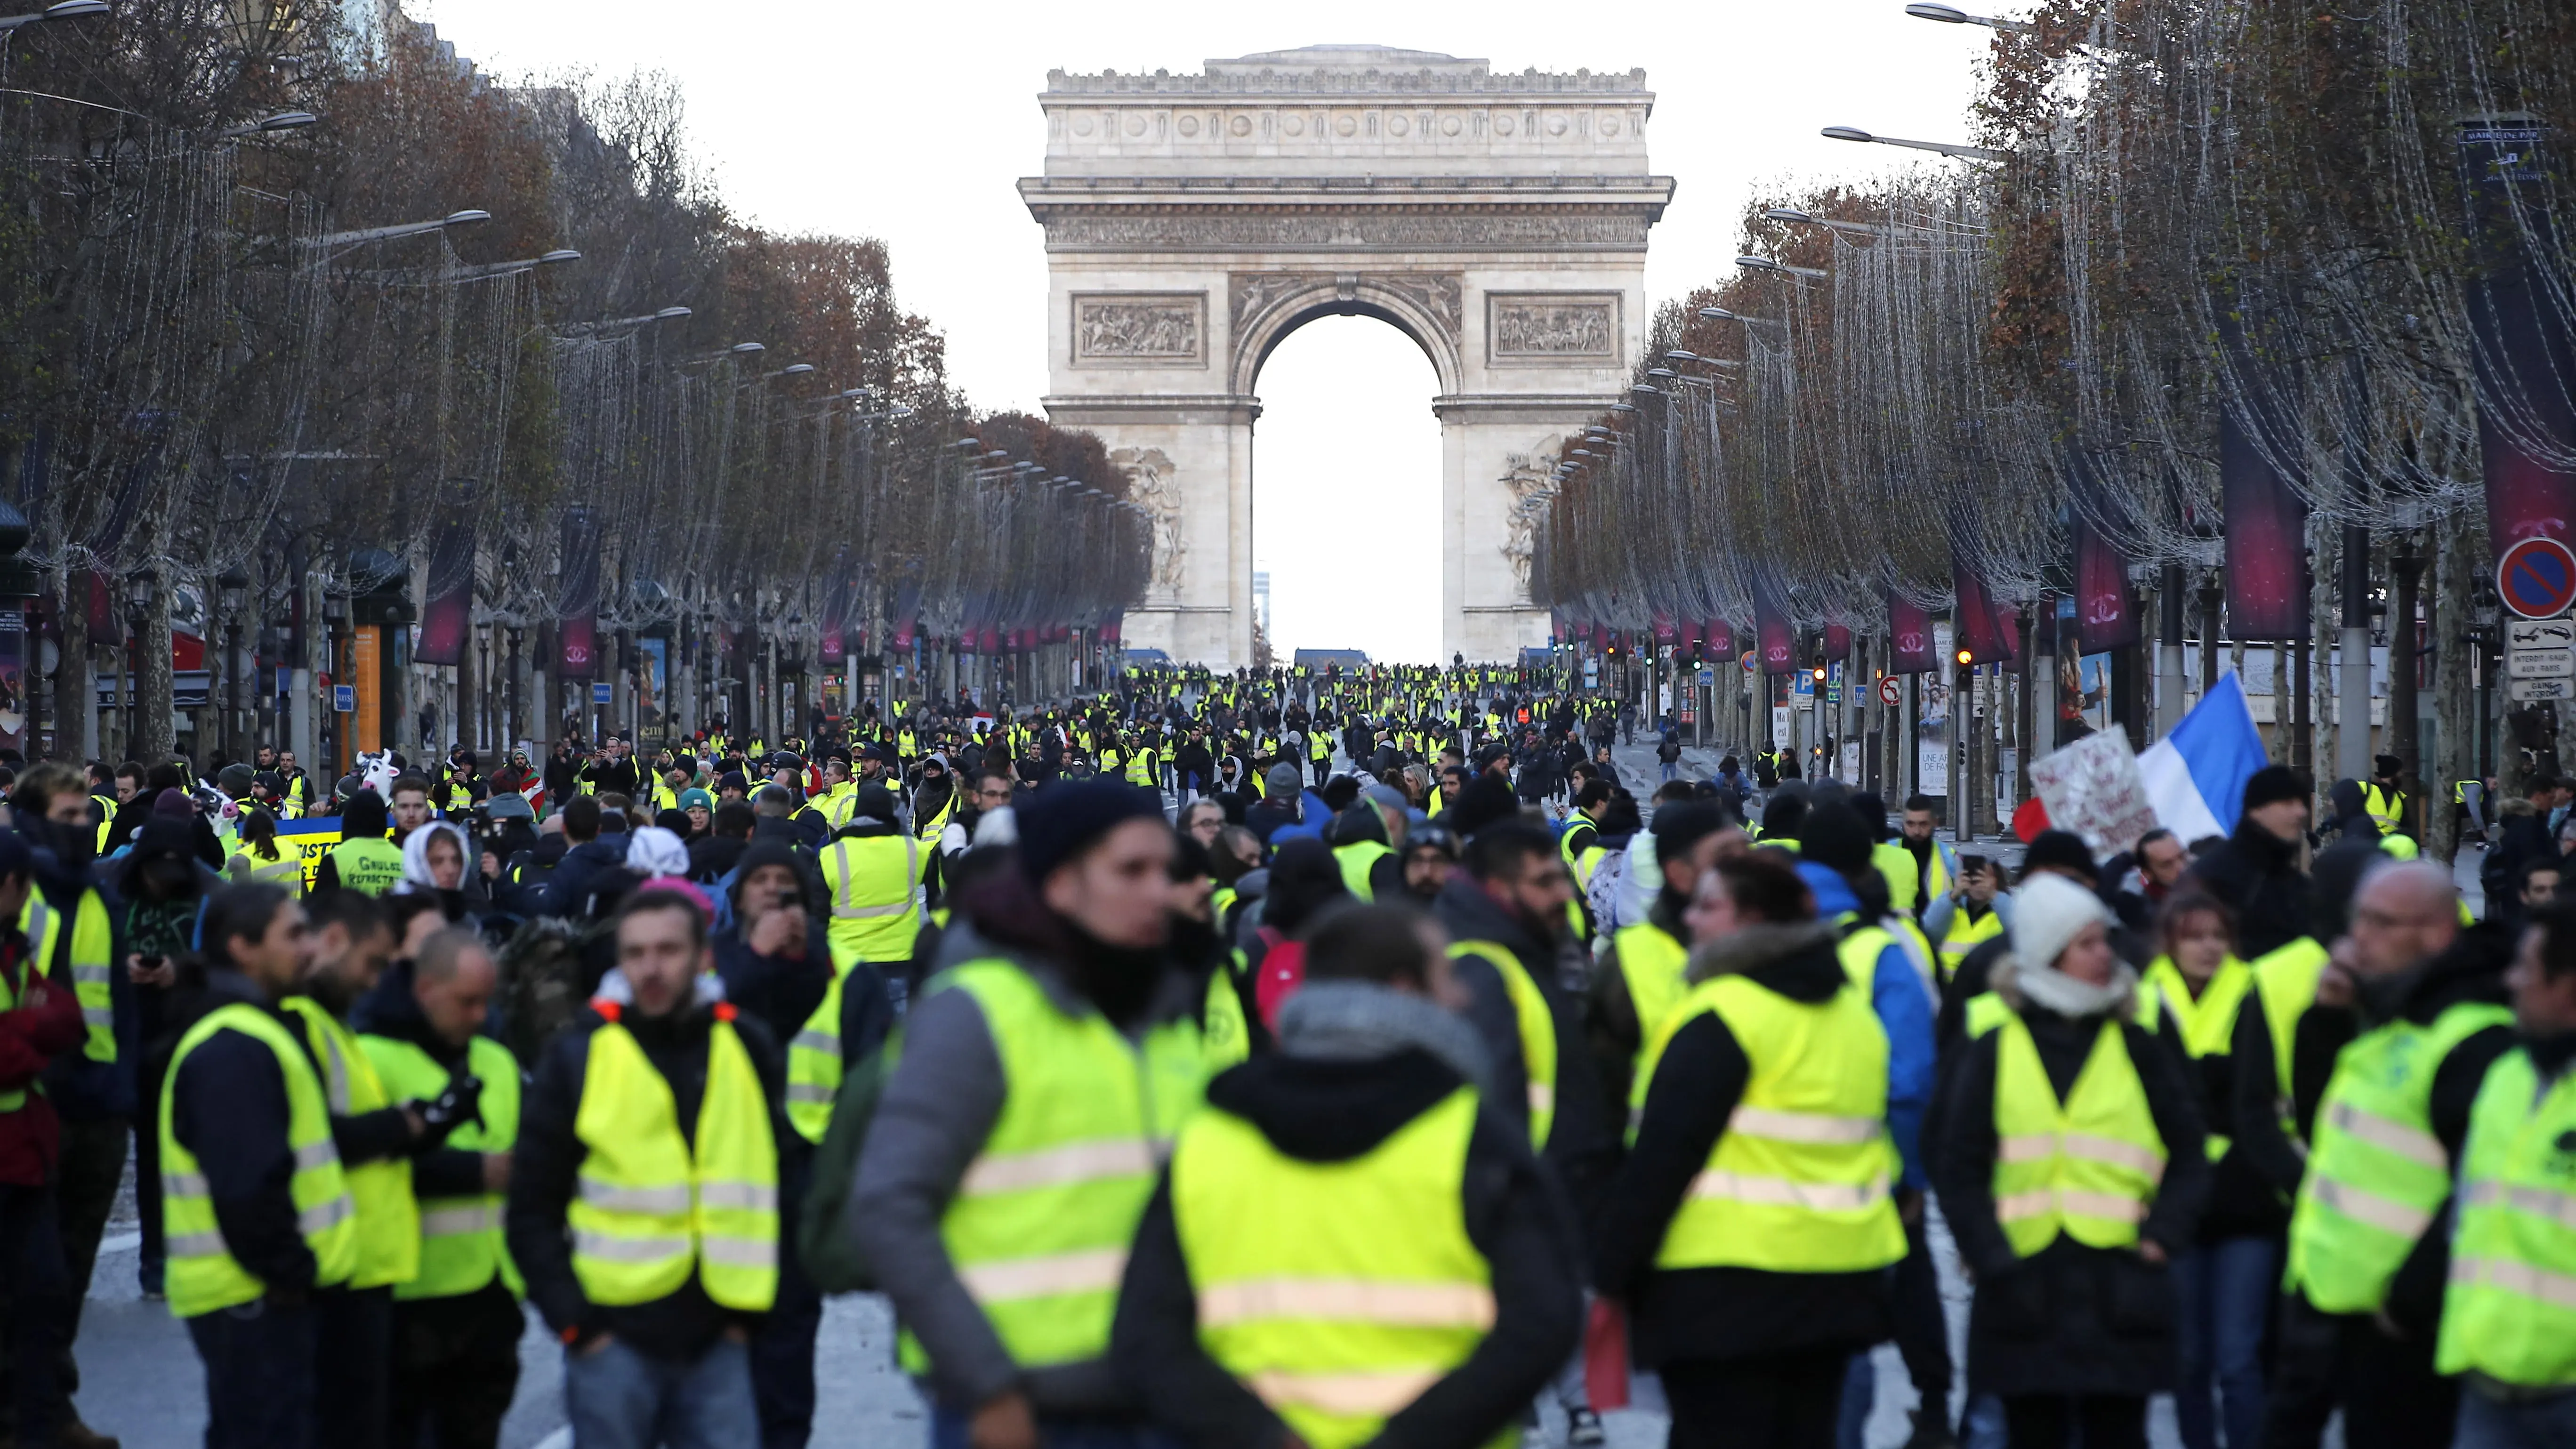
(1946, 148)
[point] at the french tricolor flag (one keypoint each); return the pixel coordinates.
(2195, 776)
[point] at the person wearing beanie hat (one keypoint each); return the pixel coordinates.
(1104, 1060)
(2256, 872)
(1283, 807)
(2068, 1231)
(2384, 796)
(700, 807)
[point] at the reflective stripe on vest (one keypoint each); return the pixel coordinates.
(2377, 1174)
(2088, 1166)
(2510, 1310)
(1537, 1030)
(1964, 936)
(1799, 1180)
(875, 910)
(1039, 1226)
(461, 1242)
(1336, 1329)
(653, 1206)
(203, 1276)
(388, 1214)
(91, 963)
(814, 1065)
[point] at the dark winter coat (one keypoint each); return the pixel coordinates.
(2070, 1319)
(1683, 1314)
(2257, 874)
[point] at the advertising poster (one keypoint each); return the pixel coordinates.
(1932, 723)
(652, 686)
(367, 676)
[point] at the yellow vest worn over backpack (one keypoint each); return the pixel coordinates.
(1041, 1222)
(461, 1242)
(388, 1214)
(655, 1206)
(2087, 1166)
(1336, 1291)
(1799, 1182)
(2377, 1174)
(814, 1065)
(2510, 1310)
(873, 881)
(203, 1275)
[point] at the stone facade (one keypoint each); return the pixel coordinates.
(1192, 222)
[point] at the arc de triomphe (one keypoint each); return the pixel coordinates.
(1194, 221)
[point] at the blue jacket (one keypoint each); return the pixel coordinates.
(1904, 1010)
(1316, 816)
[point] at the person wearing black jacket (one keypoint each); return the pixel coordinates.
(682, 1356)
(2066, 1332)
(2255, 871)
(1512, 891)
(614, 771)
(777, 969)
(227, 1105)
(456, 1355)
(1365, 1052)
(2404, 964)
(1749, 1355)
(562, 776)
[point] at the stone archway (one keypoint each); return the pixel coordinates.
(1193, 222)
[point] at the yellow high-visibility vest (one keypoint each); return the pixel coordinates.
(2086, 1167)
(388, 1214)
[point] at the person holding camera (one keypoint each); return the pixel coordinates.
(456, 1323)
(376, 1135)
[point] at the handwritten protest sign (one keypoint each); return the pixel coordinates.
(2093, 788)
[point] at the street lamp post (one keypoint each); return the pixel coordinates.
(231, 588)
(142, 587)
(1946, 148)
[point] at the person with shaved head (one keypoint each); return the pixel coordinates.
(2369, 1232)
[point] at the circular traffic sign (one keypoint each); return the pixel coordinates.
(1890, 693)
(2536, 578)
(1747, 661)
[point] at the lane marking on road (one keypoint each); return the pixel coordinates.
(120, 1243)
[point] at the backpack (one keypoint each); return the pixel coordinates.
(822, 1235)
(542, 981)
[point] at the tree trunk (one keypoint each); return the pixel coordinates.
(75, 697)
(157, 732)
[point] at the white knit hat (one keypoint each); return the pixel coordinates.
(2048, 912)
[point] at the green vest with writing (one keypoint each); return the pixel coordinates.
(2510, 1310)
(2086, 1167)
(2208, 1022)
(2377, 1174)
(654, 1206)
(203, 1275)
(388, 1214)
(93, 951)
(1357, 859)
(461, 1245)
(1537, 1030)
(1799, 1180)
(367, 865)
(1652, 965)
(1336, 1291)
(815, 1067)
(1041, 1221)
(876, 908)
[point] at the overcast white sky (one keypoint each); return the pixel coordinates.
(911, 123)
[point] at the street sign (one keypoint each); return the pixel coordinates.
(344, 699)
(2540, 664)
(602, 694)
(1891, 693)
(2536, 578)
(2540, 634)
(2533, 691)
